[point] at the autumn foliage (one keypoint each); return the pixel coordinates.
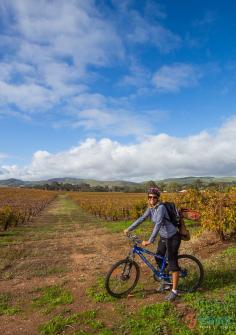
(215, 211)
(111, 206)
(19, 206)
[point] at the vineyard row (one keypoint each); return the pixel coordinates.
(19, 206)
(217, 210)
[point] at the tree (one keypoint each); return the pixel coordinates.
(84, 187)
(150, 184)
(162, 186)
(173, 186)
(198, 184)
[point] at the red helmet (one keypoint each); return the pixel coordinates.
(154, 190)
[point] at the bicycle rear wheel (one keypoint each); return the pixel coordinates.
(191, 274)
(122, 278)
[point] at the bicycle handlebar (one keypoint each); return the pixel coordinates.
(134, 238)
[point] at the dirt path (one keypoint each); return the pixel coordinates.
(67, 247)
(63, 246)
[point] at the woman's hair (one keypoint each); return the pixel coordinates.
(154, 190)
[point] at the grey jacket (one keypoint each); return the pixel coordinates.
(158, 215)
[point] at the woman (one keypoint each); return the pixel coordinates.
(169, 236)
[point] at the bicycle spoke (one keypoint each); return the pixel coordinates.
(122, 278)
(191, 273)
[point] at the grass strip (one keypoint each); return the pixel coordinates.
(6, 307)
(159, 318)
(98, 293)
(51, 297)
(83, 323)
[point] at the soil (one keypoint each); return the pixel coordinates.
(68, 247)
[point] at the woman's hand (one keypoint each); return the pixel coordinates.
(145, 243)
(126, 231)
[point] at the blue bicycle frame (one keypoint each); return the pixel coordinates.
(160, 274)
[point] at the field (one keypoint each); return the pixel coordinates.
(52, 271)
(18, 206)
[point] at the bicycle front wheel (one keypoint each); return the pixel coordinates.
(122, 278)
(191, 274)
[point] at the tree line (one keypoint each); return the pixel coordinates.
(172, 186)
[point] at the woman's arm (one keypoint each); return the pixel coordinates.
(138, 221)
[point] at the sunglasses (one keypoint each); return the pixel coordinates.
(152, 197)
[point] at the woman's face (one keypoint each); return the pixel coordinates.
(153, 199)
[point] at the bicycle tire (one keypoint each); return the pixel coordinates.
(191, 274)
(122, 278)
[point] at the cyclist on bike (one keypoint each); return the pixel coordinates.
(169, 237)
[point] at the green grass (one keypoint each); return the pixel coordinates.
(98, 293)
(144, 229)
(45, 229)
(214, 315)
(139, 291)
(105, 332)
(117, 226)
(101, 332)
(66, 206)
(6, 307)
(190, 222)
(84, 323)
(51, 297)
(230, 251)
(160, 318)
(215, 306)
(11, 236)
(220, 270)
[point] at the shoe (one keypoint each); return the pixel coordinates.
(164, 286)
(171, 296)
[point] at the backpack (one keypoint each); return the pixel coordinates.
(173, 213)
(176, 219)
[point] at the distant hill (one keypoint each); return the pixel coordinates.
(191, 180)
(74, 181)
(12, 182)
(92, 182)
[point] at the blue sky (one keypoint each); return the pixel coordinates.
(117, 89)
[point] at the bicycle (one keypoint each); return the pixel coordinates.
(123, 276)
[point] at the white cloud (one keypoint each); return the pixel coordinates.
(89, 100)
(145, 27)
(154, 157)
(2, 156)
(7, 111)
(171, 78)
(48, 47)
(161, 37)
(67, 29)
(27, 96)
(111, 122)
(53, 52)
(138, 76)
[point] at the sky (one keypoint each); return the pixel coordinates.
(109, 89)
